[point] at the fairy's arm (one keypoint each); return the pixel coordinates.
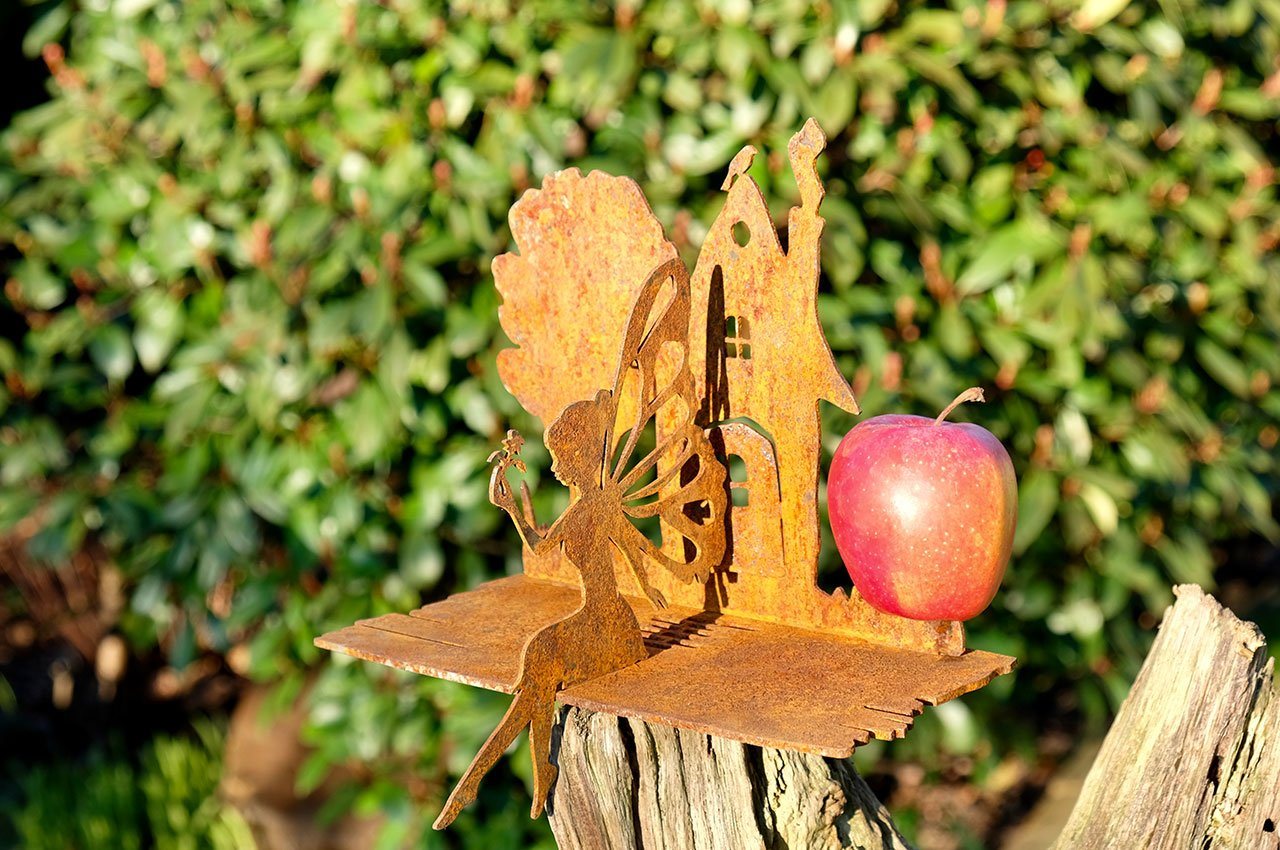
(501, 495)
(526, 508)
(635, 558)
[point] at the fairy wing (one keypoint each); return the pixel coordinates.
(660, 462)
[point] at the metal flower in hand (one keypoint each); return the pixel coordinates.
(508, 455)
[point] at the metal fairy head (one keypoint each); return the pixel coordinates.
(576, 440)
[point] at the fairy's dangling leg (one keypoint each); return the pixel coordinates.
(518, 715)
(544, 772)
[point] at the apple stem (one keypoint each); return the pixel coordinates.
(971, 394)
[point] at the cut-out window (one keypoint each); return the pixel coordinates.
(738, 481)
(737, 337)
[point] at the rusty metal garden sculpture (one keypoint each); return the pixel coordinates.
(688, 404)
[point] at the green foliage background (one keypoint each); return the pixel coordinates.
(251, 327)
(166, 800)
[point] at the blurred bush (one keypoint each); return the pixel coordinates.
(251, 325)
(166, 800)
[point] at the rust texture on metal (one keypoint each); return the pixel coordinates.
(679, 586)
(586, 246)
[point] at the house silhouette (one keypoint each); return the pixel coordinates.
(767, 366)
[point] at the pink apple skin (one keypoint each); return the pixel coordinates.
(923, 515)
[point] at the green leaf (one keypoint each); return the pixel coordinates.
(1016, 247)
(1101, 506)
(158, 328)
(1037, 502)
(1223, 367)
(48, 28)
(1095, 13)
(112, 352)
(421, 561)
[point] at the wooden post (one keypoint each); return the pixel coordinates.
(639, 786)
(1193, 760)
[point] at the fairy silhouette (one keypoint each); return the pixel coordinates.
(680, 481)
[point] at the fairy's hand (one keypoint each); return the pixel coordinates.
(500, 493)
(655, 596)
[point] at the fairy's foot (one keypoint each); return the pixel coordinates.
(544, 772)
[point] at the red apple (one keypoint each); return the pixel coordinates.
(923, 512)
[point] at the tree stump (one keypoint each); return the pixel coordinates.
(629, 784)
(1193, 760)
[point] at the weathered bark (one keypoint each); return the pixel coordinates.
(1192, 761)
(1193, 758)
(629, 784)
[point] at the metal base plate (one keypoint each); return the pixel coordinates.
(736, 677)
